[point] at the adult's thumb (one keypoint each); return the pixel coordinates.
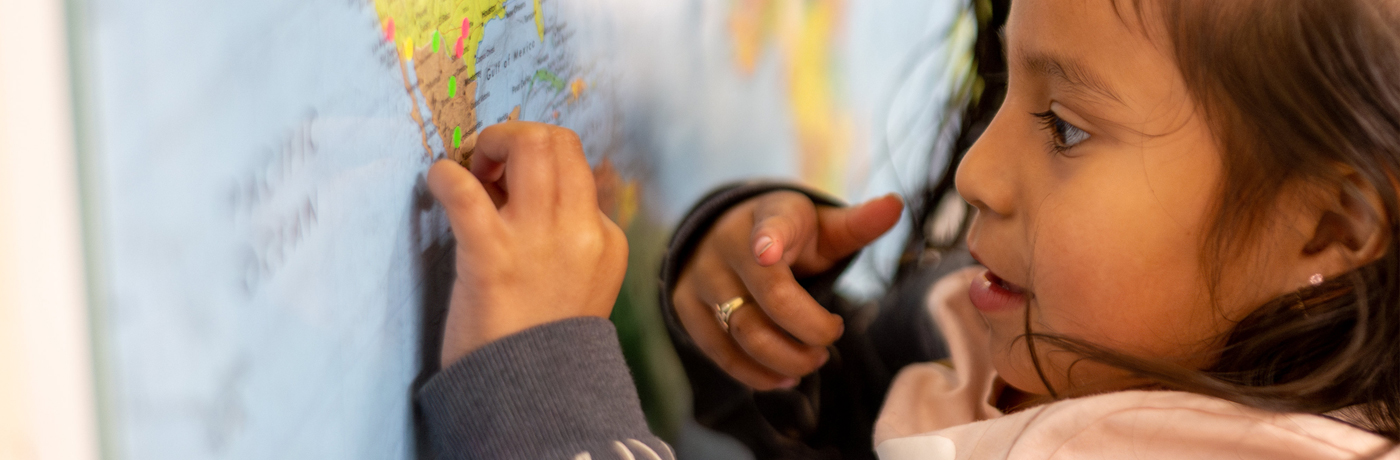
(843, 231)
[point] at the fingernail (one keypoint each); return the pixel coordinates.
(788, 384)
(764, 242)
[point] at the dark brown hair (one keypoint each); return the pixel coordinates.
(1294, 91)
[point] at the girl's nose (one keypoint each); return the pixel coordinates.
(986, 176)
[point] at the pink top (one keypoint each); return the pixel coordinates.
(937, 412)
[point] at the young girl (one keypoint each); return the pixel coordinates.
(1185, 223)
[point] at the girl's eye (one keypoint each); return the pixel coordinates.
(1063, 136)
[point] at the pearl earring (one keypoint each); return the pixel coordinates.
(1315, 280)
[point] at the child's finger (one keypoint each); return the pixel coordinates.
(782, 223)
(577, 191)
(523, 154)
(469, 208)
(491, 174)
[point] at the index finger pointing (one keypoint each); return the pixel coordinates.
(789, 305)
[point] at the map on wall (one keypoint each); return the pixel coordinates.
(268, 263)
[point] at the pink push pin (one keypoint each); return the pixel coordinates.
(389, 30)
(462, 40)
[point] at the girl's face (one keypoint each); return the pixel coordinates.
(1094, 187)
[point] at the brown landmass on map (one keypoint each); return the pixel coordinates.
(450, 111)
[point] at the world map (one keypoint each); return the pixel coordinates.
(267, 265)
(524, 71)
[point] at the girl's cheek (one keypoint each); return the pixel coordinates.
(1072, 276)
(1117, 282)
(1146, 303)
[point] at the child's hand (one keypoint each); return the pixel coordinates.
(756, 251)
(532, 245)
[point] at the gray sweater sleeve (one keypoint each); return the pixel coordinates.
(556, 391)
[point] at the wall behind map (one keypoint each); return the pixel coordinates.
(46, 386)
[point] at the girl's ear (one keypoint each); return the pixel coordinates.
(1350, 228)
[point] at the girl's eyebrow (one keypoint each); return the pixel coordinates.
(1071, 72)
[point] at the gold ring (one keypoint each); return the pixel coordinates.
(724, 310)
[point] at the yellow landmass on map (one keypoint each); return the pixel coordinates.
(440, 40)
(539, 19)
(416, 22)
(804, 33)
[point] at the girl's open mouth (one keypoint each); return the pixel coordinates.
(991, 294)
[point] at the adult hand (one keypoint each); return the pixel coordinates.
(532, 245)
(757, 251)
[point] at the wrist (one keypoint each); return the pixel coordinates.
(473, 323)
(459, 343)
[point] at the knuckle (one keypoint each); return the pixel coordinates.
(564, 137)
(730, 234)
(786, 212)
(534, 139)
(776, 222)
(790, 203)
(587, 242)
(784, 298)
(491, 131)
(734, 221)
